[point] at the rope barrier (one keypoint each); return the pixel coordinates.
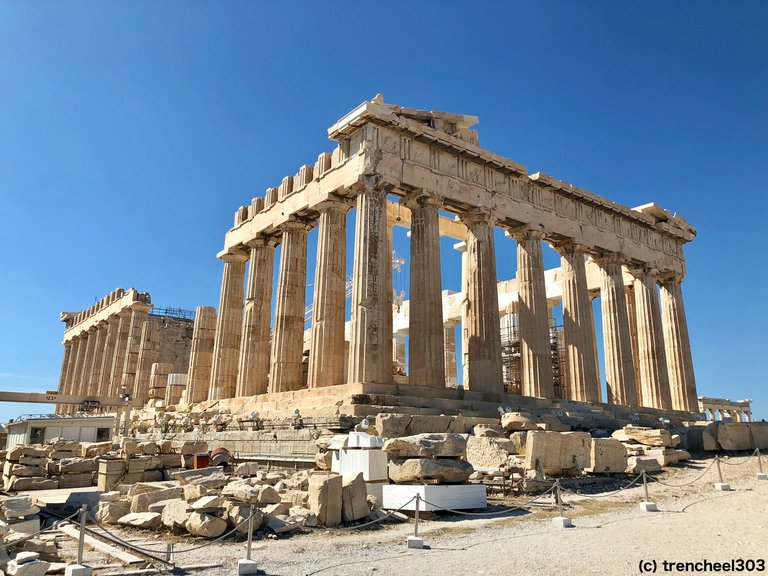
(377, 520)
(699, 477)
(747, 459)
(635, 481)
(491, 514)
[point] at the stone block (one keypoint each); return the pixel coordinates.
(207, 503)
(111, 511)
(205, 525)
(141, 502)
(194, 491)
(22, 484)
(557, 451)
(646, 436)
(191, 448)
(420, 424)
(150, 520)
(18, 507)
(213, 477)
(443, 470)
(371, 463)
(175, 514)
(246, 469)
(32, 461)
(735, 436)
(30, 568)
(512, 421)
(95, 449)
(485, 452)
(171, 460)
(325, 498)
(709, 437)
(61, 454)
(268, 495)
(607, 455)
(245, 566)
(354, 503)
(488, 431)
(148, 448)
(152, 476)
(78, 570)
(392, 425)
(237, 516)
(436, 445)
(77, 465)
(26, 526)
(76, 480)
(636, 464)
(23, 471)
(434, 498)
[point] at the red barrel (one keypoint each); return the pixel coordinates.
(201, 460)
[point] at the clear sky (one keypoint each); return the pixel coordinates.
(130, 132)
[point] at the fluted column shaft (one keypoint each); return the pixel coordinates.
(370, 347)
(139, 313)
(113, 327)
(201, 354)
(462, 248)
(449, 338)
(650, 343)
(229, 324)
(533, 317)
(326, 351)
(426, 357)
(617, 345)
(482, 307)
(629, 296)
(288, 340)
(583, 383)
(94, 384)
(65, 368)
(118, 360)
(87, 363)
(677, 346)
(149, 354)
(253, 372)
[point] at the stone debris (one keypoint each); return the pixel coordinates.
(645, 436)
(440, 470)
(446, 445)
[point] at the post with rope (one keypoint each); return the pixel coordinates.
(721, 486)
(80, 569)
(248, 566)
(415, 541)
(760, 475)
(646, 505)
(560, 521)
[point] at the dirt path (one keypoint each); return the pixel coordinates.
(611, 535)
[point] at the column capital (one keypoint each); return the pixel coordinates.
(235, 255)
(477, 216)
(668, 277)
(296, 223)
(140, 307)
(642, 270)
(451, 323)
(370, 183)
(419, 198)
(335, 203)
(263, 240)
(602, 258)
(525, 232)
(569, 246)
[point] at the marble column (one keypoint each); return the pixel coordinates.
(94, 385)
(449, 339)
(426, 358)
(617, 345)
(462, 248)
(650, 342)
(629, 296)
(482, 306)
(87, 363)
(65, 368)
(149, 354)
(677, 346)
(326, 350)
(398, 354)
(253, 371)
(533, 317)
(229, 324)
(370, 348)
(113, 326)
(582, 380)
(118, 360)
(201, 354)
(139, 313)
(288, 339)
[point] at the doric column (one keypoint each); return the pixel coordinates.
(139, 313)
(229, 324)
(326, 349)
(94, 384)
(66, 363)
(149, 353)
(73, 378)
(426, 358)
(87, 363)
(462, 248)
(370, 347)
(398, 353)
(118, 359)
(449, 339)
(677, 346)
(482, 306)
(288, 339)
(201, 354)
(113, 327)
(253, 371)
(617, 345)
(650, 342)
(582, 380)
(629, 296)
(533, 317)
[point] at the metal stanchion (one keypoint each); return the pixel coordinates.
(760, 475)
(646, 505)
(169, 551)
(722, 486)
(248, 566)
(560, 521)
(415, 541)
(80, 569)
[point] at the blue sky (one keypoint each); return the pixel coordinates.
(131, 132)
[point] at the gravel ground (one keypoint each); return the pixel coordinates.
(610, 535)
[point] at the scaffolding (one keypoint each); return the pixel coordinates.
(169, 312)
(510, 356)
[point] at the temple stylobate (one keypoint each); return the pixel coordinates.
(429, 169)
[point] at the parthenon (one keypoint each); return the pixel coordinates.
(429, 169)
